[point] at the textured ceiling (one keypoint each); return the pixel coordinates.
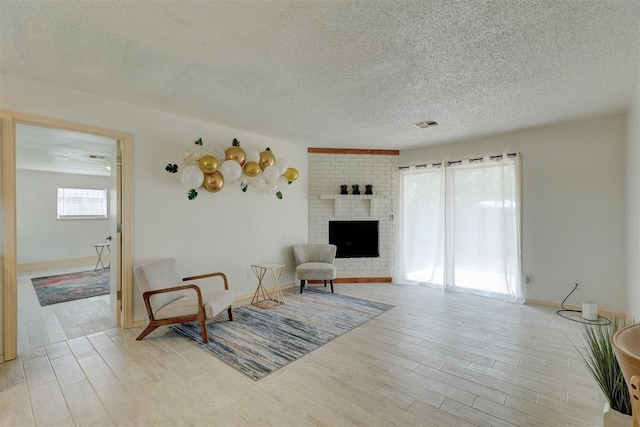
(57, 150)
(338, 73)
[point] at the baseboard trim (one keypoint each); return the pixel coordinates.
(62, 263)
(610, 314)
(356, 280)
(139, 323)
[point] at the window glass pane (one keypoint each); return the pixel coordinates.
(82, 202)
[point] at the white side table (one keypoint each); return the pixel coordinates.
(262, 298)
(99, 249)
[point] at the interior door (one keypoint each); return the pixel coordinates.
(115, 221)
(1, 248)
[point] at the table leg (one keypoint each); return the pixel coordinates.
(276, 292)
(99, 250)
(261, 296)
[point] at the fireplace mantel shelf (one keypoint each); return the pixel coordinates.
(339, 198)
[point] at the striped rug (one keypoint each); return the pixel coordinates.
(71, 286)
(260, 341)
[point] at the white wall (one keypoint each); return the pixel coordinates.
(41, 236)
(633, 209)
(573, 192)
(226, 231)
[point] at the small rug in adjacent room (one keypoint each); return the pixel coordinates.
(260, 341)
(71, 286)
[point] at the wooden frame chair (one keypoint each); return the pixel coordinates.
(167, 302)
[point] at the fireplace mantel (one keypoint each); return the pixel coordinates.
(338, 200)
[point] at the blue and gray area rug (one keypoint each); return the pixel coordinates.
(260, 341)
(71, 286)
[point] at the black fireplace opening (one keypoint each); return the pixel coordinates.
(354, 239)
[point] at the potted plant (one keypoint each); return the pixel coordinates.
(599, 358)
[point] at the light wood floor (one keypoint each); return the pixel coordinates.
(39, 326)
(435, 360)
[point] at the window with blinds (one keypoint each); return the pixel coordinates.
(82, 203)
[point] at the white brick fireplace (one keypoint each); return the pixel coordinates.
(331, 168)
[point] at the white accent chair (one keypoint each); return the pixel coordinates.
(315, 262)
(168, 301)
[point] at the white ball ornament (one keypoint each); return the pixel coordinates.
(282, 165)
(271, 173)
(192, 177)
(231, 170)
(252, 154)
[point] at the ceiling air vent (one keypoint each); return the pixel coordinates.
(96, 157)
(425, 124)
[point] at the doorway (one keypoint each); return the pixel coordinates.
(119, 223)
(64, 182)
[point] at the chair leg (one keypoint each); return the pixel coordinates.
(150, 328)
(205, 334)
(301, 285)
(325, 283)
(230, 314)
(331, 285)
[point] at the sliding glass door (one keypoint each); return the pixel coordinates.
(459, 227)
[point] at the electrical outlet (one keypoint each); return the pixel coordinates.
(577, 284)
(528, 277)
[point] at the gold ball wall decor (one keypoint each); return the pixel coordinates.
(215, 166)
(208, 164)
(251, 169)
(291, 174)
(237, 154)
(266, 159)
(213, 182)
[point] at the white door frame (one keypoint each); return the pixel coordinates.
(9, 120)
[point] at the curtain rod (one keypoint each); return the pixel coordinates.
(454, 162)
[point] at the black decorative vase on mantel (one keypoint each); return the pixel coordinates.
(343, 189)
(355, 189)
(368, 189)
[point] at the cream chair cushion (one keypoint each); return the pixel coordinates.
(214, 301)
(316, 271)
(156, 275)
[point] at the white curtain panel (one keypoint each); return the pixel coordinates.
(420, 249)
(459, 227)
